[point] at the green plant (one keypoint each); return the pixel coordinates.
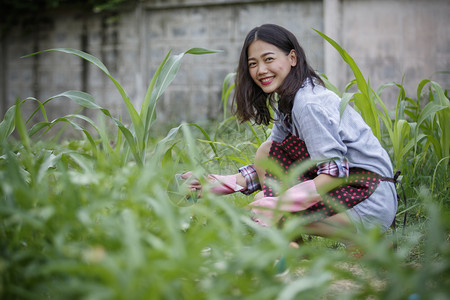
(430, 123)
(434, 119)
(136, 137)
(364, 99)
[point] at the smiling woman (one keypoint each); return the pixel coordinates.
(346, 179)
(286, 52)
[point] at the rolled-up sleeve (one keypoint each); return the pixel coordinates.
(251, 178)
(336, 168)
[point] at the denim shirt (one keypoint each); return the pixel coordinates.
(317, 121)
(345, 141)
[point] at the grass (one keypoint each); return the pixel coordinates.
(101, 217)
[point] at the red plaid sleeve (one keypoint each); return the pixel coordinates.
(251, 178)
(337, 168)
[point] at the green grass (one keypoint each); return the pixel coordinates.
(101, 217)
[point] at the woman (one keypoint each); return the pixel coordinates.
(273, 73)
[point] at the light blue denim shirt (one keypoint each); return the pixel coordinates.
(329, 137)
(317, 121)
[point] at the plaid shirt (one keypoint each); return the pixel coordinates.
(336, 168)
(251, 178)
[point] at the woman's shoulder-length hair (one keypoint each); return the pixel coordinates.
(251, 103)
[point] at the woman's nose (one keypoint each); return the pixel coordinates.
(262, 69)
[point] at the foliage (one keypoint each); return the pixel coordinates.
(136, 138)
(28, 12)
(431, 122)
(101, 217)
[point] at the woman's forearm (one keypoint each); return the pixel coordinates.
(324, 182)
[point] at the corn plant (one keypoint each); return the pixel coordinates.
(138, 135)
(363, 99)
(404, 135)
(434, 119)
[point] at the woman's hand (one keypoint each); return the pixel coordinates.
(220, 184)
(297, 198)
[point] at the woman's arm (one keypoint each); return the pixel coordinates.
(241, 180)
(324, 183)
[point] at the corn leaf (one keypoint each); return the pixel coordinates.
(8, 124)
(363, 99)
(135, 119)
(166, 73)
(21, 128)
(329, 85)
(227, 88)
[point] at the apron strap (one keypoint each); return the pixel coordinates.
(396, 181)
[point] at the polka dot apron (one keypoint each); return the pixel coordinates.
(292, 152)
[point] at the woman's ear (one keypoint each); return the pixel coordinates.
(293, 58)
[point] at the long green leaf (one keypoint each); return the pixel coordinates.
(79, 53)
(221, 124)
(373, 111)
(428, 112)
(361, 82)
(86, 100)
(200, 51)
(206, 135)
(255, 135)
(346, 98)
(81, 98)
(412, 143)
(21, 128)
(134, 116)
(436, 145)
(227, 87)
(443, 119)
(329, 85)
(401, 130)
(420, 87)
(40, 107)
(7, 125)
(166, 76)
(68, 119)
(233, 158)
(147, 98)
(365, 110)
(363, 100)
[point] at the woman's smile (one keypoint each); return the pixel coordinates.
(266, 80)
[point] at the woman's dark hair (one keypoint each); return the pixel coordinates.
(251, 102)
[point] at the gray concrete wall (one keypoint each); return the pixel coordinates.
(394, 39)
(388, 39)
(223, 27)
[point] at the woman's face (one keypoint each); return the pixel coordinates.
(268, 65)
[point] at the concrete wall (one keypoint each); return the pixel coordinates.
(199, 82)
(394, 39)
(388, 39)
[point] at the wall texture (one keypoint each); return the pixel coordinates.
(389, 40)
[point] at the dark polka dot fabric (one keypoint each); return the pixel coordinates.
(292, 152)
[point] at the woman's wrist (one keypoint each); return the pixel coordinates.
(240, 180)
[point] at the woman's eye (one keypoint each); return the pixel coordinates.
(251, 64)
(269, 58)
